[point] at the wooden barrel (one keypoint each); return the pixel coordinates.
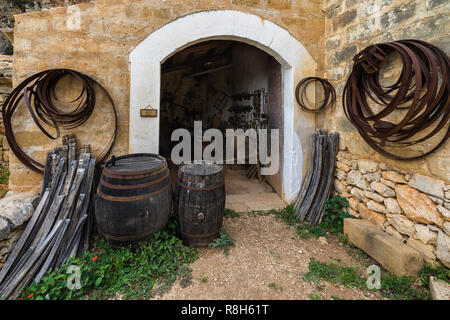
(133, 200)
(199, 203)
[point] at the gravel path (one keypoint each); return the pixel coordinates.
(267, 263)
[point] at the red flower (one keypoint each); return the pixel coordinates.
(30, 296)
(94, 258)
(20, 298)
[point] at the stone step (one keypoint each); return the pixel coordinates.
(439, 289)
(391, 253)
(263, 202)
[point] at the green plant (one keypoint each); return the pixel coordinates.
(204, 279)
(305, 231)
(334, 273)
(276, 255)
(401, 288)
(314, 296)
(439, 272)
(332, 220)
(392, 286)
(224, 241)
(4, 175)
(140, 272)
(343, 238)
(273, 286)
(334, 215)
(229, 213)
(287, 215)
(357, 253)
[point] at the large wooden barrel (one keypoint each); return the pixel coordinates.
(199, 203)
(133, 200)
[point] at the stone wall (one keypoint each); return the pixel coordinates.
(5, 89)
(411, 207)
(351, 26)
(407, 199)
(108, 32)
(9, 8)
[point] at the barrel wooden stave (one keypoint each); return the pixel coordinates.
(199, 195)
(131, 206)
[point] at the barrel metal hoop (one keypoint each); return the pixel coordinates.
(130, 187)
(135, 198)
(199, 236)
(134, 174)
(211, 187)
(130, 238)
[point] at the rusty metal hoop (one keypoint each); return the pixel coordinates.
(424, 84)
(38, 93)
(329, 94)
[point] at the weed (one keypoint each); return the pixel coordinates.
(287, 215)
(343, 238)
(334, 273)
(229, 213)
(273, 286)
(320, 287)
(439, 272)
(336, 298)
(334, 215)
(305, 231)
(4, 175)
(224, 241)
(401, 288)
(357, 253)
(204, 279)
(275, 254)
(314, 296)
(332, 220)
(141, 272)
(392, 286)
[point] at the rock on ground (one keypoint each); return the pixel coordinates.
(17, 208)
(443, 249)
(392, 253)
(439, 289)
(4, 229)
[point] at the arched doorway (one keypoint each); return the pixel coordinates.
(225, 85)
(145, 66)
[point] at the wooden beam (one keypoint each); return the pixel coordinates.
(228, 66)
(195, 63)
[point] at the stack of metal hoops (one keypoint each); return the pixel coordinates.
(422, 89)
(38, 93)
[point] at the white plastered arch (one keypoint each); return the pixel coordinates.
(296, 62)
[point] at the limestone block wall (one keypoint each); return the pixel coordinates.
(5, 89)
(351, 26)
(101, 45)
(407, 199)
(411, 207)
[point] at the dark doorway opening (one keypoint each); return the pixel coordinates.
(226, 85)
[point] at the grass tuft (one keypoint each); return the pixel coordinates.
(224, 241)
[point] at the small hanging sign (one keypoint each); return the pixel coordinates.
(149, 112)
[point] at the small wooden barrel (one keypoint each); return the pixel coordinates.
(199, 203)
(134, 198)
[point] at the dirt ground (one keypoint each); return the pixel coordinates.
(267, 263)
